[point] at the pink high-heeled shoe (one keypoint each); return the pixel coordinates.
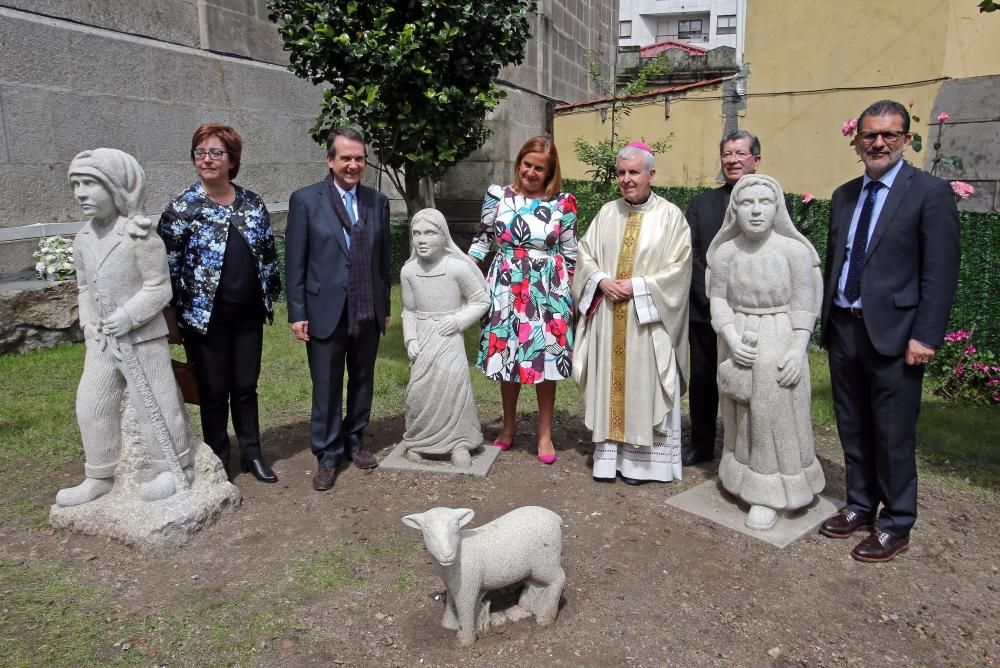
(503, 446)
(548, 459)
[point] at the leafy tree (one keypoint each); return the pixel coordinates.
(416, 76)
(602, 156)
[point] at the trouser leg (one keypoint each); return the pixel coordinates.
(361, 353)
(326, 368)
(98, 412)
(703, 389)
(245, 355)
(211, 354)
(852, 401)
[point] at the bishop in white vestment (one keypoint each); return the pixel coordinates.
(631, 287)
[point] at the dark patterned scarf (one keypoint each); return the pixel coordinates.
(360, 303)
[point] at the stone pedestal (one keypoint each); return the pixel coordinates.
(123, 515)
(482, 460)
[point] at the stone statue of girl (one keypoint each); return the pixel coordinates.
(443, 294)
(765, 291)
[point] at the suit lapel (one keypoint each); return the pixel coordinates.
(896, 194)
(842, 220)
(115, 241)
(328, 210)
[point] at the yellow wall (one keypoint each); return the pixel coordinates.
(696, 123)
(813, 65)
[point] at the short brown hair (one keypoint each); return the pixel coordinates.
(544, 145)
(229, 137)
(347, 133)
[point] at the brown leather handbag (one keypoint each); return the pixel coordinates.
(187, 379)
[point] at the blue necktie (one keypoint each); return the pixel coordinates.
(349, 201)
(852, 288)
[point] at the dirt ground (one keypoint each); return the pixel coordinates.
(300, 578)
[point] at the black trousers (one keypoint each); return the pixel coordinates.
(227, 360)
(703, 389)
(877, 402)
(333, 432)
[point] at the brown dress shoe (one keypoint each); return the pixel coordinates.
(324, 478)
(844, 523)
(880, 546)
(364, 460)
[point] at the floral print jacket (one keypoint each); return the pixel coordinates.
(194, 230)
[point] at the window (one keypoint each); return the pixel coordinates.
(625, 30)
(663, 30)
(726, 25)
(689, 29)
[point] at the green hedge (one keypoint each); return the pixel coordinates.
(977, 301)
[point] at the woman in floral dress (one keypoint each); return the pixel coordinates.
(527, 335)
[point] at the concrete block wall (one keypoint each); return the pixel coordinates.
(141, 76)
(66, 87)
(564, 31)
(970, 134)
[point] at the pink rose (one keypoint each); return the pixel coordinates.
(943, 116)
(962, 189)
(848, 127)
(807, 197)
(910, 104)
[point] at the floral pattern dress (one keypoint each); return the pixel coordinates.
(195, 231)
(527, 334)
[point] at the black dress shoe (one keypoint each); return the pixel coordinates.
(690, 456)
(880, 546)
(364, 459)
(635, 482)
(324, 478)
(258, 469)
(844, 523)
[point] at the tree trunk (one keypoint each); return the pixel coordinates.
(415, 196)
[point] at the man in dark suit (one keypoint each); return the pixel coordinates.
(885, 310)
(337, 278)
(739, 154)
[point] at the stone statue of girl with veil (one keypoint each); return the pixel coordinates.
(443, 294)
(765, 291)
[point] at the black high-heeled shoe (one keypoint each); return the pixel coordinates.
(258, 469)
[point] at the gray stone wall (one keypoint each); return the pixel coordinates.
(66, 87)
(141, 76)
(970, 134)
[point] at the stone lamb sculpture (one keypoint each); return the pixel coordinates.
(525, 545)
(765, 289)
(443, 293)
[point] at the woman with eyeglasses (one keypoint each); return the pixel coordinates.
(527, 335)
(224, 271)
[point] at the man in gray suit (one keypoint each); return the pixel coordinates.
(337, 278)
(891, 272)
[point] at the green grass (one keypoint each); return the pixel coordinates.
(47, 618)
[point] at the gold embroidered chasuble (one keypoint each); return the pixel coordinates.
(627, 371)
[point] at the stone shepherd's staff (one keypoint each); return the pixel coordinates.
(121, 350)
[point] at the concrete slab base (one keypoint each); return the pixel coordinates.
(711, 501)
(482, 460)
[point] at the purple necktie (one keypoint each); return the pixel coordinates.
(852, 288)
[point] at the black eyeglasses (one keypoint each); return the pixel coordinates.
(214, 153)
(889, 137)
